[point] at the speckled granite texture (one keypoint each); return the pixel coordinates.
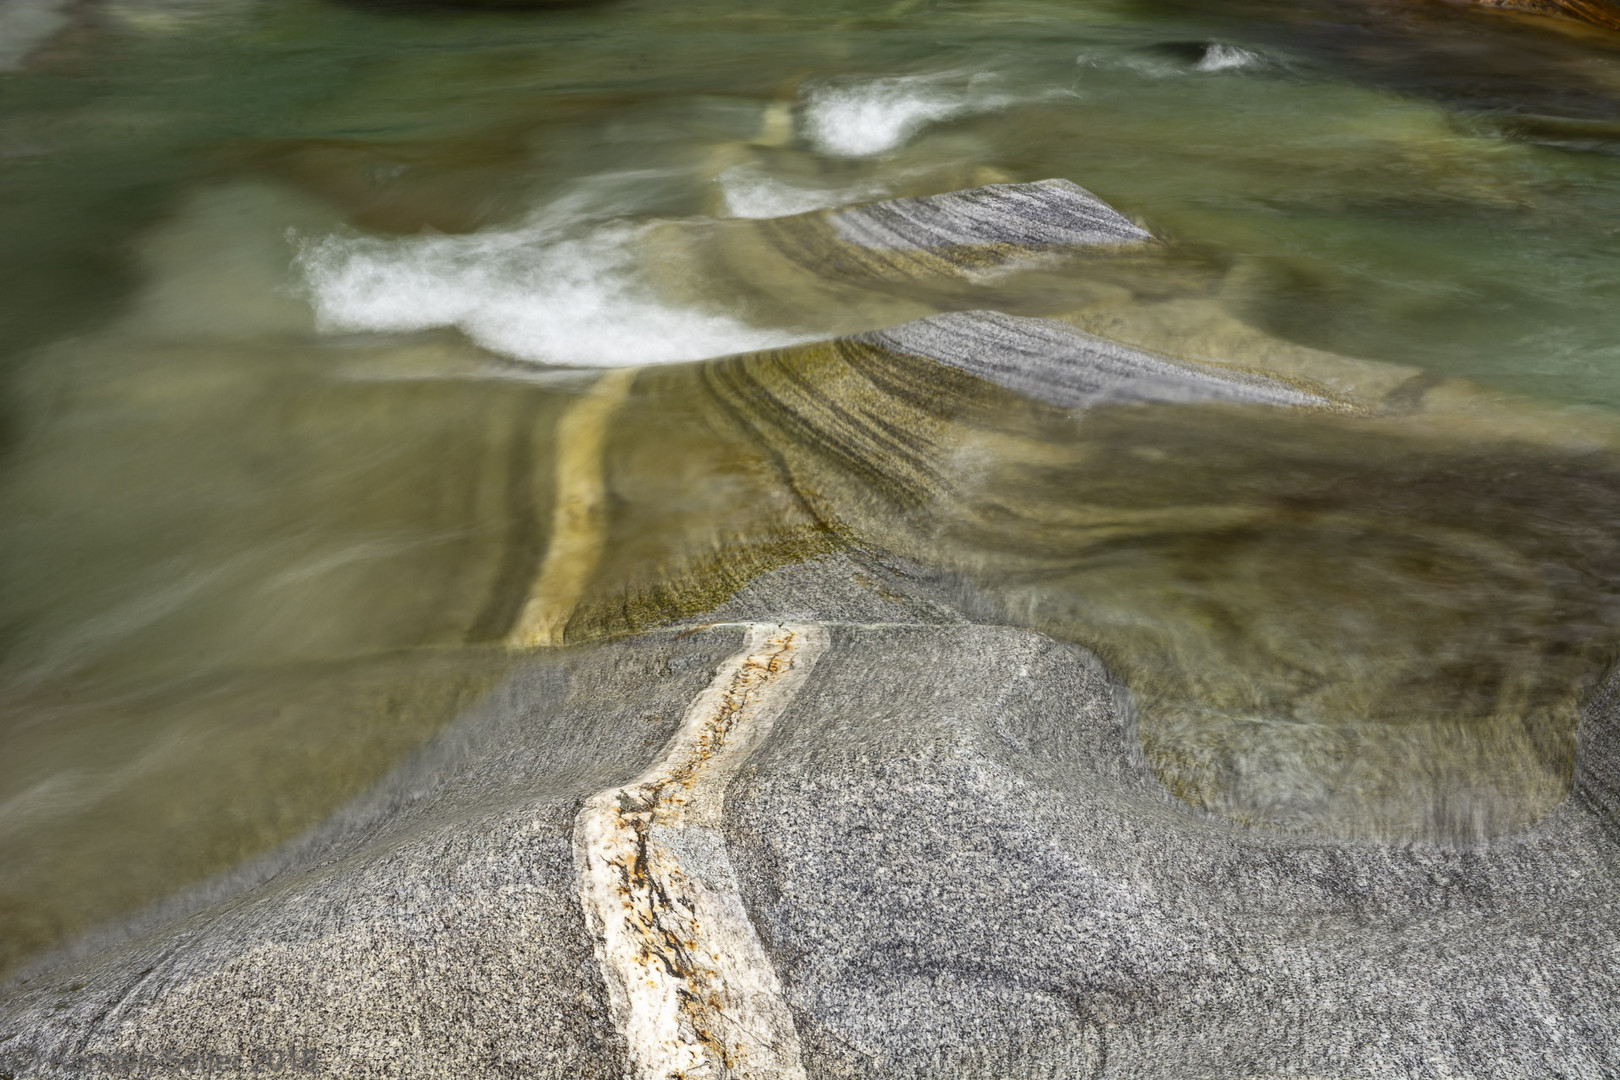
(431, 930)
(1069, 368)
(954, 858)
(961, 868)
(1043, 214)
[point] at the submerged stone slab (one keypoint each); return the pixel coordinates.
(1062, 366)
(1039, 215)
(1326, 612)
(1337, 621)
(936, 846)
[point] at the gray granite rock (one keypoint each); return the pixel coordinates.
(1062, 366)
(963, 869)
(432, 929)
(954, 857)
(1043, 214)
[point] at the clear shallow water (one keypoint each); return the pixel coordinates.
(298, 293)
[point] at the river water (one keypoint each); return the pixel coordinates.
(312, 308)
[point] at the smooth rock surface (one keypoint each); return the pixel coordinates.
(431, 929)
(951, 851)
(985, 882)
(1323, 633)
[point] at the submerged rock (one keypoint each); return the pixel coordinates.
(943, 845)
(1362, 620)
(849, 269)
(25, 25)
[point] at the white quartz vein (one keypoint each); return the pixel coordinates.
(689, 984)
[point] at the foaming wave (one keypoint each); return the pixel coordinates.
(869, 118)
(1177, 59)
(550, 292)
(1220, 57)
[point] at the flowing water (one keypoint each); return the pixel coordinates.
(307, 308)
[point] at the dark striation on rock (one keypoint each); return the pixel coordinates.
(1057, 364)
(954, 857)
(1043, 214)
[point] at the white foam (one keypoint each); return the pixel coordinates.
(1218, 57)
(752, 194)
(1149, 67)
(553, 291)
(870, 118)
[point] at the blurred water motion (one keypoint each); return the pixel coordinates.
(299, 296)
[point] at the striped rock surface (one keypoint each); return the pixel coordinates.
(1039, 215)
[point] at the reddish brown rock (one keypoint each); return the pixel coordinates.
(1604, 13)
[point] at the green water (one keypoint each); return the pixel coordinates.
(296, 294)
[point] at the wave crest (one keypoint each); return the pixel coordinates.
(549, 292)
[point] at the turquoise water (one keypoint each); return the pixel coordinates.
(286, 280)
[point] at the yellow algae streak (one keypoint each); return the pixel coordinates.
(579, 518)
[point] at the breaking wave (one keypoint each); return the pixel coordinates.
(1218, 57)
(864, 119)
(554, 291)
